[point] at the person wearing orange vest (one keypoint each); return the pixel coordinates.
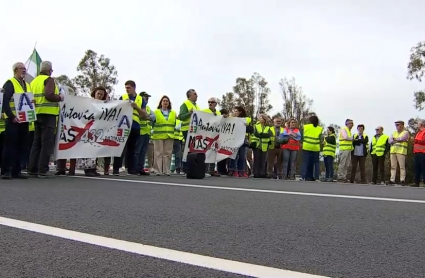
(419, 153)
(290, 149)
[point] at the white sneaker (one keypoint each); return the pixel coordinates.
(207, 175)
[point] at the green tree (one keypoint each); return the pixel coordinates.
(262, 93)
(64, 80)
(95, 71)
(416, 70)
(227, 101)
(245, 95)
(296, 105)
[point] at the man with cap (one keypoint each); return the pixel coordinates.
(379, 149)
(398, 152)
(145, 133)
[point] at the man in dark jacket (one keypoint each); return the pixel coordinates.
(359, 153)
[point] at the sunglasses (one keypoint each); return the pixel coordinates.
(211, 102)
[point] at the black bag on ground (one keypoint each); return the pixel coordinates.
(195, 166)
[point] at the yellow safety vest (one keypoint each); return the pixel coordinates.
(378, 146)
(178, 135)
(18, 90)
(311, 138)
(211, 112)
(262, 143)
(345, 145)
(31, 126)
(138, 101)
(42, 105)
(2, 125)
(164, 129)
(273, 137)
(186, 123)
(399, 147)
(145, 125)
(329, 149)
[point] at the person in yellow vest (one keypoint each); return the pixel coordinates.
(378, 150)
(139, 114)
(145, 135)
(212, 108)
(16, 133)
(398, 141)
(47, 98)
(311, 146)
(177, 146)
(359, 153)
(260, 141)
(345, 148)
(186, 110)
(163, 136)
(329, 150)
(275, 153)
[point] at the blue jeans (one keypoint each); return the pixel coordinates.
(141, 150)
(317, 167)
(238, 164)
(177, 151)
(329, 166)
(311, 161)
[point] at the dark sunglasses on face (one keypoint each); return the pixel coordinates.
(211, 102)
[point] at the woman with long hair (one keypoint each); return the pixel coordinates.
(89, 165)
(163, 136)
(290, 150)
(260, 141)
(237, 166)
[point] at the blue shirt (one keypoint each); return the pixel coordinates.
(136, 125)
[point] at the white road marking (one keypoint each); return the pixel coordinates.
(157, 252)
(260, 190)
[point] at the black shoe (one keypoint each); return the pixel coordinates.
(257, 176)
(116, 173)
(143, 173)
(6, 176)
(89, 174)
(20, 176)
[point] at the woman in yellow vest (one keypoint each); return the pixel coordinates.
(311, 146)
(329, 150)
(260, 141)
(163, 136)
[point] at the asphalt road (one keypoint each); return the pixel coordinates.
(328, 230)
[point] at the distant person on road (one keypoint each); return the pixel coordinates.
(398, 141)
(186, 110)
(163, 136)
(345, 148)
(329, 150)
(212, 109)
(378, 150)
(291, 149)
(16, 133)
(311, 146)
(419, 153)
(259, 143)
(274, 154)
(222, 168)
(358, 155)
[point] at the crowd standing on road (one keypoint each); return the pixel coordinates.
(270, 149)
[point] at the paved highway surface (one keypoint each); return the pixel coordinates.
(174, 227)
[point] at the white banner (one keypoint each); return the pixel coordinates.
(24, 107)
(216, 136)
(89, 128)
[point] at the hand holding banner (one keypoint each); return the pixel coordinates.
(24, 107)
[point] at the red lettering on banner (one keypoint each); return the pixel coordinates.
(22, 116)
(119, 132)
(68, 145)
(210, 142)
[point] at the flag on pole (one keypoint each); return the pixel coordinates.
(33, 66)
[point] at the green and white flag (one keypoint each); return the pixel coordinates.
(33, 66)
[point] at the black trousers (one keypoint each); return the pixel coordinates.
(14, 144)
(1, 146)
(43, 144)
(260, 160)
(378, 163)
(129, 152)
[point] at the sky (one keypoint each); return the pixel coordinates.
(350, 57)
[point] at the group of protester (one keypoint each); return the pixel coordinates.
(270, 148)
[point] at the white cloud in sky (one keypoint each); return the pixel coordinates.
(350, 57)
